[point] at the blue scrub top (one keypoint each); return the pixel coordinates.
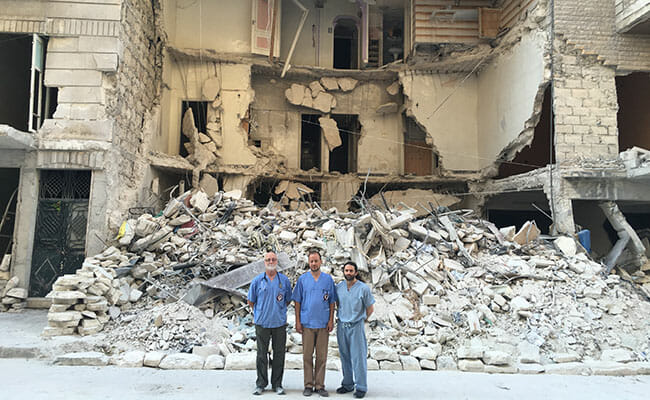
(315, 298)
(353, 302)
(270, 298)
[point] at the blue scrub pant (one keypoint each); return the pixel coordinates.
(353, 350)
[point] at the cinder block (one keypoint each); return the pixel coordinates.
(87, 111)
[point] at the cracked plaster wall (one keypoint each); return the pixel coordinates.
(510, 94)
(278, 123)
(183, 80)
(453, 128)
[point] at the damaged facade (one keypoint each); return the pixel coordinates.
(505, 106)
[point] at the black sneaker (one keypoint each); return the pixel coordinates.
(322, 392)
(359, 394)
(308, 391)
(343, 390)
(258, 391)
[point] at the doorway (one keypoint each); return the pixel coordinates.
(60, 235)
(9, 178)
(343, 158)
(346, 44)
(310, 138)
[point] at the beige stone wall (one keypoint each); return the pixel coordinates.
(82, 50)
(585, 108)
(131, 94)
(590, 27)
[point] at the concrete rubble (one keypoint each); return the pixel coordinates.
(452, 291)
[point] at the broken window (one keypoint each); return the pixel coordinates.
(346, 44)
(343, 158)
(9, 178)
(419, 158)
(633, 93)
(265, 28)
(25, 102)
(393, 35)
(541, 150)
(200, 112)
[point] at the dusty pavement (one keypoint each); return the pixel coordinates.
(36, 380)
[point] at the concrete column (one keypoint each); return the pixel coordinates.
(25, 220)
(560, 204)
(97, 228)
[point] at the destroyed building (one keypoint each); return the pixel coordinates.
(519, 109)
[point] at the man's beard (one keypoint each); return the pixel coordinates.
(349, 278)
(271, 268)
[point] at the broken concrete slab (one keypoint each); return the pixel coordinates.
(388, 108)
(181, 361)
(527, 233)
(211, 88)
(329, 83)
(90, 358)
(347, 84)
(330, 132)
(295, 94)
(324, 102)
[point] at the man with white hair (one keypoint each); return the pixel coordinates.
(268, 296)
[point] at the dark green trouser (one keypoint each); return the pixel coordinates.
(278, 338)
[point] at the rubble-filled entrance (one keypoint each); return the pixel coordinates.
(9, 178)
(633, 93)
(515, 209)
(200, 112)
(60, 235)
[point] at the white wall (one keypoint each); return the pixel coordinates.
(454, 126)
(507, 90)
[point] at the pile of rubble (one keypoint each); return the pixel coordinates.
(12, 298)
(452, 291)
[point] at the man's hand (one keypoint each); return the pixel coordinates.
(330, 326)
(298, 327)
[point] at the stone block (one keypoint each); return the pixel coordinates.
(390, 365)
(409, 363)
(446, 363)
(494, 357)
(334, 364)
(67, 77)
(500, 369)
(428, 364)
(90, 358)
(98, 44)
(214, 361)
(530, 368)
(471, 365)
(382, 352)
(293, 361)
(373, 365)
(182, 361)
(241, 361)
(471, 352)
(426, 353)
(205, 351)
(567, 368)
(565, 357)
(153, 359)
(130, 359)
(617, 355)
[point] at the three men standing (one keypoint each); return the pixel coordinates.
(268, 296)
(314, 298)
(355, 304)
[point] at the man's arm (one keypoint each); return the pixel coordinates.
(298, 324)
(369, 310)
(252, 306)
(330, 323)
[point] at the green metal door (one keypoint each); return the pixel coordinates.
(60, 236)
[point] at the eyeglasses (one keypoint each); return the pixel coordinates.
(270, 259)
